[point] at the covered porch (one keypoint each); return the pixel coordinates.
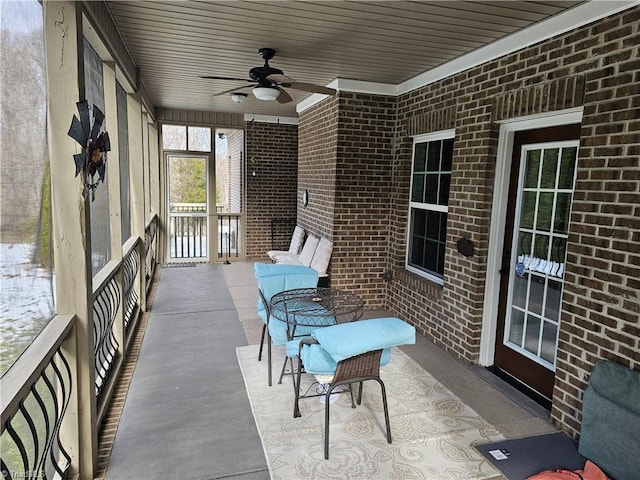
(137, 366)
(187, 415)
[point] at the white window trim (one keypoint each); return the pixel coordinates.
(422, 138)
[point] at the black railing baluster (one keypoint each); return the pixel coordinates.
(105, 307)
(66, 398)
(39, 460)
(19, 444)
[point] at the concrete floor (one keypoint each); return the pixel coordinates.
(187, 415)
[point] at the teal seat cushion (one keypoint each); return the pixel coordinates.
(349, 339)
(317, 361)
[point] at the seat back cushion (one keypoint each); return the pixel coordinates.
(322, 256)
(317, 361)
(296, 240)
(349, 339)
(269, 269)
(611, 420)
(306, 255)
(275, 278)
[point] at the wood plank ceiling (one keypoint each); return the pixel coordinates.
(176, 42)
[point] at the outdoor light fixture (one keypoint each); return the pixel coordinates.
(266, 93)
(238, 97)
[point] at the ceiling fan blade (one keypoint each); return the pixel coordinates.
(229, 78)
(309, 87)
(236, 89)
(284, 97)
(288, 82)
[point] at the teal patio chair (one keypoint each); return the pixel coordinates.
(273, 278)
(353, 353)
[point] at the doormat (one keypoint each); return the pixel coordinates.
(521, 458)
(178, 265)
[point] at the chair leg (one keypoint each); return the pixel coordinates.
(353, 404)
(284, 366)
(296, 388)
(386, 410)
(264, 329)
(326, 424)
(326, 410)
(269, 356)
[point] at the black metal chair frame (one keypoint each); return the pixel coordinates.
(356, 369)
(265, 331)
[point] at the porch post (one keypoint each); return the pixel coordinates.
(139, 218)
(71, 232)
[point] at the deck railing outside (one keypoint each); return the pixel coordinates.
(40, 427)
(188, 228)
(229, 235)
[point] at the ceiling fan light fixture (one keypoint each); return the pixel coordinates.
(266, 93)
(238, 97)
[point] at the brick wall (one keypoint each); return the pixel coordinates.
(272, 153)
(601, 317)
(595, 67)
(347, 172)
(317, 149)
(363, 181)
(318, 143)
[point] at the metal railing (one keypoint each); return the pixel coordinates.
(188, 230)
(39, 391)
(130, 272)
(188, 235)
(188, 208)
(36, 392)
(150, 249)
(106, 301)
(229, 235)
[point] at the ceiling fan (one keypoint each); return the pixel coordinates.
(270, 83)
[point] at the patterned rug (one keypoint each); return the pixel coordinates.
(433, 432)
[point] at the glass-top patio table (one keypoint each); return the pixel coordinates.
(311, 308)
(315, 307)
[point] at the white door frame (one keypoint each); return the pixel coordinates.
(508, 128)
(211, 228)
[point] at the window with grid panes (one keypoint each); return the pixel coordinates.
(428, 204)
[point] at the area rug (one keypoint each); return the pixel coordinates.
(433, 432)
(521, 458)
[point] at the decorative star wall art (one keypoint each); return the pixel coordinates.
(95, 145)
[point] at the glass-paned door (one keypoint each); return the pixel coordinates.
(539, 250)
(534, 256)
(188, 211)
